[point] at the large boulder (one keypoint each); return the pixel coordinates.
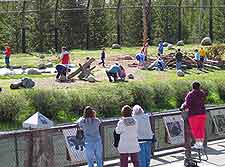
(42, 66)
(130, 76)
(9, 73)
(165, 44)
(27, 83)
(180, 73)
(91, 79)
(116, 46)
(49, 64)
(22, 83)
(170, 46)
(180, 43)
(33, 71)
(206, 41)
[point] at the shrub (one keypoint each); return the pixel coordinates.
(11, 104)
(54, 104)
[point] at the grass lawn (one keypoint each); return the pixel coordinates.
(77, 54)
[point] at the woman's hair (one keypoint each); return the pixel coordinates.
(137, 110)
(126, 111)
(89, 112)
(196, 85)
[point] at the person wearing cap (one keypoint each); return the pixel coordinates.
(145, 135)
(202, 53)
(179, 59)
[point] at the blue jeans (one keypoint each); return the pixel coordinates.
(7, 62)
(145, 154)
(178, 65)
(94, 150)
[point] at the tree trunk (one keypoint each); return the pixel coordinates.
(23, 30)
(179, 21)
(87, 30)
(118, 19)
(56, 26)
(145, 20)
(211, 20)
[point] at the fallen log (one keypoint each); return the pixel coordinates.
(82, 68)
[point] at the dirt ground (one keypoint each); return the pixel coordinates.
(99, 73)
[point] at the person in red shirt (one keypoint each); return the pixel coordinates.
(194, 105)
(65, 57)
(7, 54)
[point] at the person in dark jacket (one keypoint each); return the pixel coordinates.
(61, 70)
(179, 58)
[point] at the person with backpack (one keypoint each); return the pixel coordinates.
(93, 143)
(128, 142)
(145, 135)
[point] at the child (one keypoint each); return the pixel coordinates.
(65, 57)
(197, 59)
(145, 135)
(144, 49)
(7, 54)
(160, 48)
(122, 73)
(102, 57)
(93, 143)
(128, 144)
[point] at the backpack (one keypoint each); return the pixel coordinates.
(116, 138)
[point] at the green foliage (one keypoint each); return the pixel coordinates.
(11, 106)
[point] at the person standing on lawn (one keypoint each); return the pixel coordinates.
(179, 58)
(7, 54)
(103, 55)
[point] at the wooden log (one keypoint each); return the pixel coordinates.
(212, 67)
(82, 67)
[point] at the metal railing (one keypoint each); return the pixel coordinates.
(47, 147)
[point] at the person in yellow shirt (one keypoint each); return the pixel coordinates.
(202, 53)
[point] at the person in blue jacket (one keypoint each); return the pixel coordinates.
(113, 72)
(160, 48)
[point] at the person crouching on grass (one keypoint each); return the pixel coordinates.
(145, 135)
(93, 143)
(128, 144)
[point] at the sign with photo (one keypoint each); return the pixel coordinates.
(75, 144)
(175, 129)
(218, 117)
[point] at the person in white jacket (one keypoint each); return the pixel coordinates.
(145, 135)
(128, 144)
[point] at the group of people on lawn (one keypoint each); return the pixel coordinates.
(116, 71)
(135, 132)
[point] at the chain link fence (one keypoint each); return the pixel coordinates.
(47, 148)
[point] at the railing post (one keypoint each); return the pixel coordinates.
(16, 151)
(152, 121)
(103, 140)
(187, 137)
(28, 161)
